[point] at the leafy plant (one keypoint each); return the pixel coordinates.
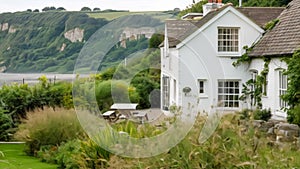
(48, 128)
(292, 96)
(264, 114)
(6, 124)
(270, 25)
(75, 154)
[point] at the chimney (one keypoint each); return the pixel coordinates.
(211, 5)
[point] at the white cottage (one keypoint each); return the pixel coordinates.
(281, 41)
(197, 56)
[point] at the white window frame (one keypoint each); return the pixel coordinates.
(229, 93)
(282, 88)
(175, 89)
(228, 41)
(254, 74)
(166, 92)
(201, 86)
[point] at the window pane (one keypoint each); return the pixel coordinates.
(228, 93)
(228, 39)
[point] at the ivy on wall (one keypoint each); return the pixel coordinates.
(254, 88)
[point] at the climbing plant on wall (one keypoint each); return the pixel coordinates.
(254, 89)
(292, 96)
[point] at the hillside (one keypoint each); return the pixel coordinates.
(51, 41)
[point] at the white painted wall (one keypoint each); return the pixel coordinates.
(170, 68)
(272, 99)
(199, 59)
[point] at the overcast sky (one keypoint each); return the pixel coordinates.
(75, 5)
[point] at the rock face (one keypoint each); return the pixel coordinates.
(135, 33)
(63, 47)
(12, 29)
(75, 35)
(4, 26)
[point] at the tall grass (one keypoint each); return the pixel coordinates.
(231, 146)
(48, 127)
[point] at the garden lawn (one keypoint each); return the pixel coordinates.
(15, 158)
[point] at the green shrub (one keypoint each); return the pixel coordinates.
(5, 125)
(294, 115)
(264, 114)
(75, 154)
(69, 155)
(49, 127)
(48, 154)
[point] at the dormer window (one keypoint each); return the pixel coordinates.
(228, 39)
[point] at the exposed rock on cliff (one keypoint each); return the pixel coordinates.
(75, 35)
(4, 26)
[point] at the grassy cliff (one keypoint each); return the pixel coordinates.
(36, 42)
(51, 41)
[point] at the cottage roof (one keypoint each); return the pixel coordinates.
(284, 38)
(178, 30)
(261, 15)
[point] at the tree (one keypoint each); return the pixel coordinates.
(197, 7)
(85, 9)
(29, 10)
(96, 9)
(61, 9)
(49, 8)
(36, 10)
(156, 40)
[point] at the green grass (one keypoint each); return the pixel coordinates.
(15, 158)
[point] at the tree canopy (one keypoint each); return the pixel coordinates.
(85, 9)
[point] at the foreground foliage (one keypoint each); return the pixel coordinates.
(292, 96)
(17, 99)
(49, 128)
(231, 146)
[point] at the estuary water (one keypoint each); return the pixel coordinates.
(31, 78)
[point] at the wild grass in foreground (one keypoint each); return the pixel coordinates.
(229, 147)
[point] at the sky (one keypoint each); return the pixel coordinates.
(76, 5)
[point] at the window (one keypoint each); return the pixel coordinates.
(175, 89)
(253, 77)
(166, 92)
(228, 93)
(265, 87)
(201, 86)
(228, 39)
(282, 88)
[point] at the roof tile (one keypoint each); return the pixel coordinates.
(284, 38)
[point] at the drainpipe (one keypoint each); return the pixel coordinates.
(240, 3)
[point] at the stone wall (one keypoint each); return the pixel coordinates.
(278, 131)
